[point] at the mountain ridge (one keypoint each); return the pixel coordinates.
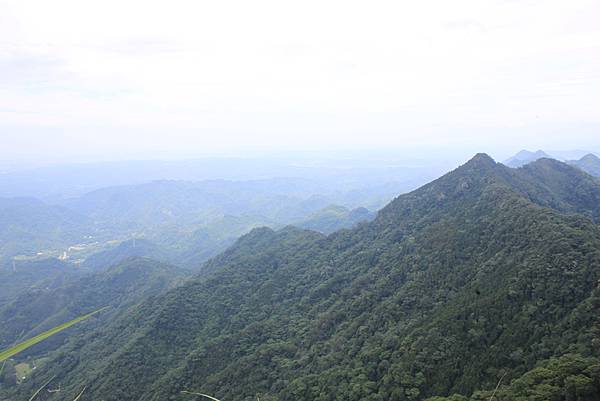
(471, 275)
(524, 157)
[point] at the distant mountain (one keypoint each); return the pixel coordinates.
(186, 249)
(165, 202)
(214, 237)
(348, 177)
(25, 275)
(524, 157)
(476, 276)
(28, 225)
(589, 163)
(564, 155)
(334, 217)
(125, 250)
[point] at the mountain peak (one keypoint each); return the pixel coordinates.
(525, 156)
(481, 160)
(590, 157)
(589, 163)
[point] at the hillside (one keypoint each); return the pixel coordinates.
(120, 286)
(333, 218)
(25, 275)
(589, 163)
(569, 377)
(484, 272)
(28, 225)
(125, 250)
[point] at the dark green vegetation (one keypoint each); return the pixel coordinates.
(121, 286)
(570, 377)
(486, 273)
(44, 273)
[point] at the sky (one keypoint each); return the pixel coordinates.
(104, 80)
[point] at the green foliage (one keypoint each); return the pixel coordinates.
(481, 273)
(120, 286)
(568, 378)
(31, 275)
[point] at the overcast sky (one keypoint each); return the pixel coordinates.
(121, 79)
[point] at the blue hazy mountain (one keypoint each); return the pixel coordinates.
(589, 163)
(524, 157)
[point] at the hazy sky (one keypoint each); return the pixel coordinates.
(129, 79)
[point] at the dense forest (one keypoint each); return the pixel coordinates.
(487, 277)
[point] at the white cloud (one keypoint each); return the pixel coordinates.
(204, 75)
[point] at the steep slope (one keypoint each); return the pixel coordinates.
(119, 286)
(126, 249)
(589, 163)
(27, 275)
(483, 271)
(525, 157)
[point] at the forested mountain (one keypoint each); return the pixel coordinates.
(125, 250)
(524, 157)
(333, 218)
(570, 377)
(162, 202)
(25, 275)
(178, 222)
(477, 276)
(28, 225)
(120, 286)
(589, 163)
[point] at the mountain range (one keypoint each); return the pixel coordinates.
(185, 222)
(589, 162)
(486, 276)
(524, 157)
